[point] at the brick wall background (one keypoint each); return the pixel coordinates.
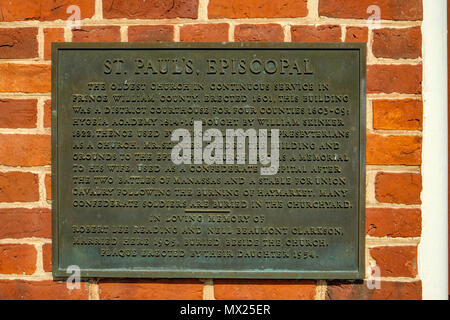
(394, 137)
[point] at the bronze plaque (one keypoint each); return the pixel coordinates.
(216, 160)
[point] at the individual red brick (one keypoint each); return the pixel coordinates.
(408, 10)
(204, 32)
(44, 10)
(150, 33)
(404, 43)
(258, 32)
(402, 188)
(18, 43)
(257, 9)
(403, 114)
(96, 34)
(25, 150)
(28, 78)
(394, 78)
(356, 34)
(151, 290)
(327, 33)
(41, 290)
(25, 223)
(17, 259)
(18, 113)
(264, 290)
(48, 186)
(389, 290)
(405, 150)
(386, 222)
(138, 9)
(396, 261)
(19, 187)
(48, 113)
(51, 35)
(47, 257)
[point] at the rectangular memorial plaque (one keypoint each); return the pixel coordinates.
(209, 160)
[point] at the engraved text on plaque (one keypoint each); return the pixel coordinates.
(209, 160)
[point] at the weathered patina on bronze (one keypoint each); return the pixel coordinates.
(123, 207)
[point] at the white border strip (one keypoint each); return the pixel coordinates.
(433, 254)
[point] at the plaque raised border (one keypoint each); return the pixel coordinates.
(58, 177)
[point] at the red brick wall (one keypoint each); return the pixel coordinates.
(394, 131)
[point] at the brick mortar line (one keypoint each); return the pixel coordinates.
(40, 40)
(370, 57)
(208, 289)
(93, 289)
(98, 7)
(231, 32)
(28, 213)
(35, 61)
(68, 34)
(287, 33)
(372, 242)
(321, 290)
(313, 9)
(42, 188)
(395, 62)
(379, 205)
(386, 133)
(40, 116)
(371, 97)
(30, 241)
(399, 279)
(176, 32)
(369, 261)
(31, 131)
(25, 205)
(381, 24)
(412, 207)
(35, 169)
(343, 32)
(203, 10)
(25, 95)
(393, 96)
(392, 168)
(123, 33)
(39, 259)
(34, 277)
(369, 114)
